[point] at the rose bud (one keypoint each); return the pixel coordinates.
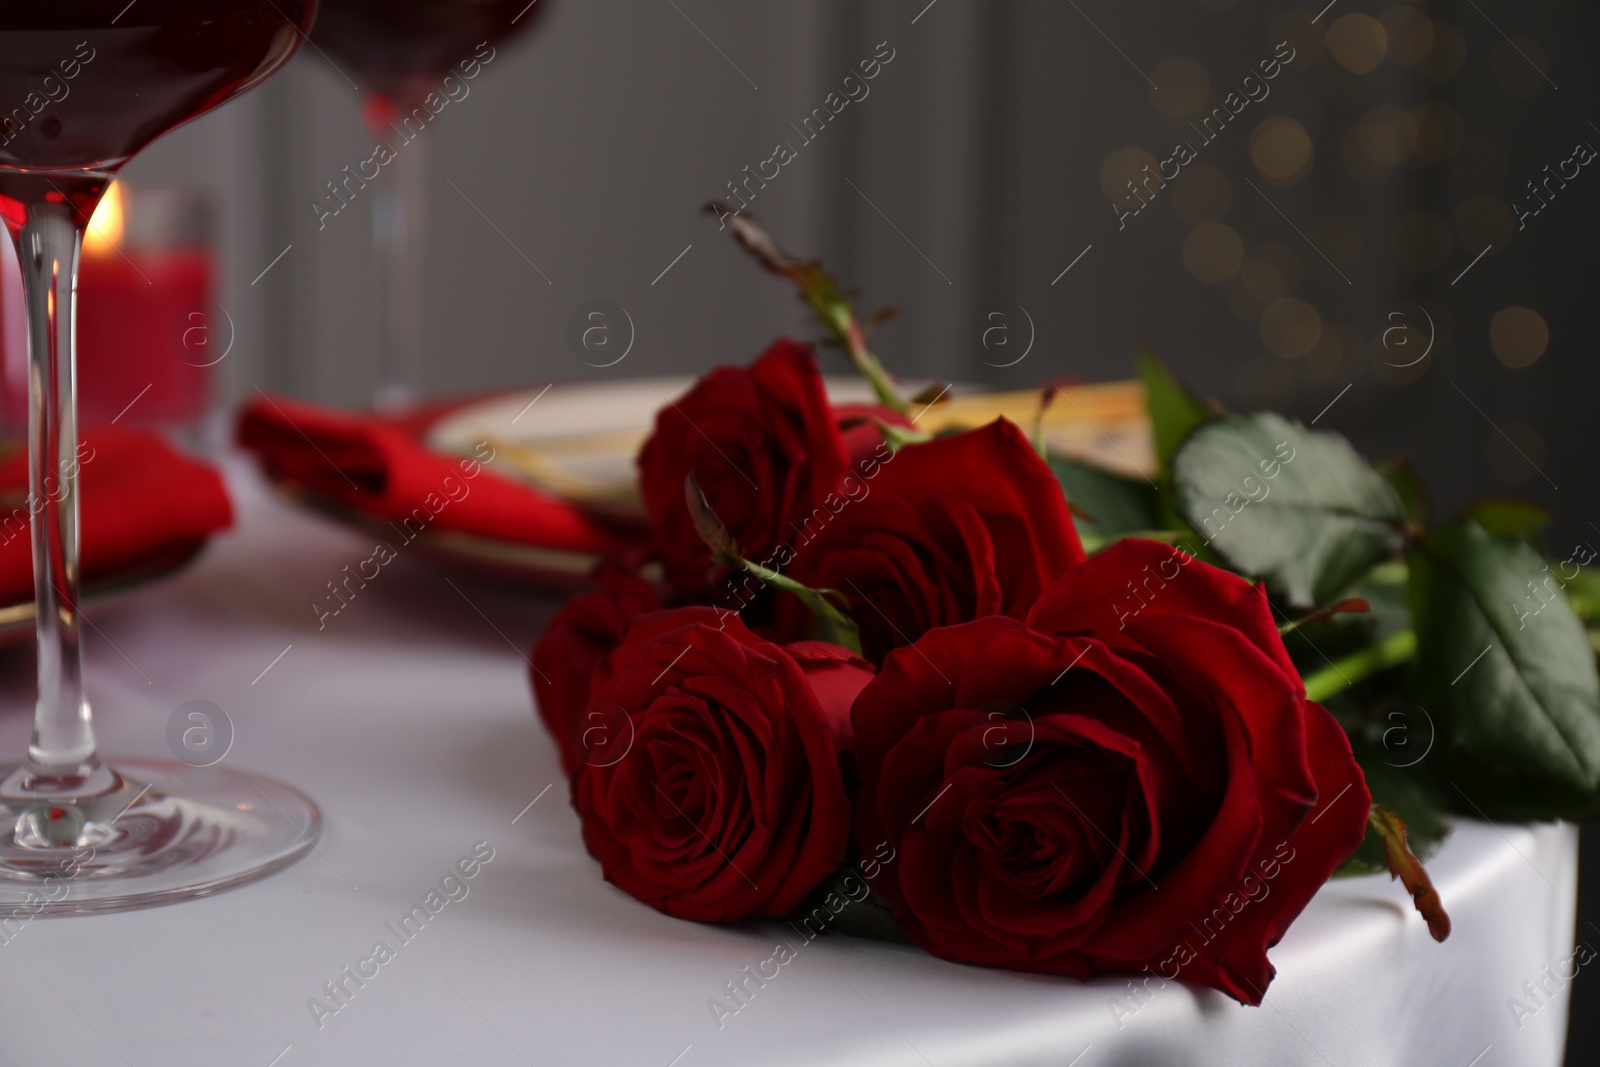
(765, 447)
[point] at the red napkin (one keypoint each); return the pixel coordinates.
(380, 466)
(141, 504)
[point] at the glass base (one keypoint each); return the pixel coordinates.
(145, 833)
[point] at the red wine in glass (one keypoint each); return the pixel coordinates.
(390, 45)
(399, 51)
(85, 84)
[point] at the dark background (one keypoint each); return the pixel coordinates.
(1350, 201)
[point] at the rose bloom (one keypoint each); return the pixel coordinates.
(717, 793)
(944, 532)
(575, 643)
(764, 446)
(1130, 779)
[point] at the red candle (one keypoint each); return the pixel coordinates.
(147, 334)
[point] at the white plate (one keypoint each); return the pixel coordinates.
(579, 440)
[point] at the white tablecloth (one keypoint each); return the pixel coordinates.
(408, 719)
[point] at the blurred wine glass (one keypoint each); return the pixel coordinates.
(400, 51)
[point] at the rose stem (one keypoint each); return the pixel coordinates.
(1341, 674)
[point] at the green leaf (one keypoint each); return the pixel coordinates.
(1174, 410)
(1408, 483)
(1502, 661)
(1295, 507)
(1506, 517)
(1478, 790)
(1405, 791)
(1107, 505)
(1583, 591)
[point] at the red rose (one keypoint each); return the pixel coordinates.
(764, 446)
(576, 642)
(939, 533)
(1132, 779)
(719, 793)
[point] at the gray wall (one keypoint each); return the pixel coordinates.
(961, 185)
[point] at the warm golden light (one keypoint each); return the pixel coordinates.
(1185, 87)
(1290, 328)
(1129, 176)
(1410, 35)
(1387, 135)
(1519, 336)
(1212, 252)
(1281, 150)
(1359, 42)
(105, 227)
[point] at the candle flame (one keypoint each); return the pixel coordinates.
(105, 227)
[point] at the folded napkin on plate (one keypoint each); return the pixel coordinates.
(380, 466)
(142, 504)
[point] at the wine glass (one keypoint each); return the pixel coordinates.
(402, 50)
(84, 85)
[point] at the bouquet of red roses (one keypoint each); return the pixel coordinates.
(1033, 714)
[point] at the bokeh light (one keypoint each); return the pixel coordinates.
(1123, 166)
(1519, 336)
(1359, 42)
(1281, 150)
(1183, 87)
(1212, 252)
(1290, 328)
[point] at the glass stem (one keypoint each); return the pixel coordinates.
(399, 228)
(48, 246)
